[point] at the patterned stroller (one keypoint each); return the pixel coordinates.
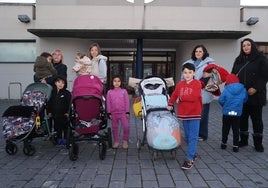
(88, 116)
(160, 127)
(26, 121)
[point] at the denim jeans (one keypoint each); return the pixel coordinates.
(203, 130)
(191, 128)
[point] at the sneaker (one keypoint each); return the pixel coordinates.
(187, 165)
(63, 142)
(235, 148)
(59, 142)
(201, 139)
(223, 146)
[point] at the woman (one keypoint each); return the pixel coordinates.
(200, 58)
(251, 66)
(57, 61)
(99, 67)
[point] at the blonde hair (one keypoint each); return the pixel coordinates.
(60, 53)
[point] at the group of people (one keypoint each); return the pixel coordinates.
(50, 69)
(244, 96)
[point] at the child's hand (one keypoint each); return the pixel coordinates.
(127, 115)
(110, 117)
(43, 81)
(66, 114)
(170, 108)
(49, 115)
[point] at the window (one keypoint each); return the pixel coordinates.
(17, 51)
(264, 48)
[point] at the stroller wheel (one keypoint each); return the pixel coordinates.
(11, 148)
(139, 144)
(29, 140)
(29, 149)
(102, 150)
(154, 155)
(73, 151)
(54, 139)
(109, 134)
(69, 137)
(173, 154)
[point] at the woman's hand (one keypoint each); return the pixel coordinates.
(251, 91)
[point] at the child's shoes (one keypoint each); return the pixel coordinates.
(116, 145)
(223, 145)
(125, 144)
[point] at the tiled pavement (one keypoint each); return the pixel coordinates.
(51, 167)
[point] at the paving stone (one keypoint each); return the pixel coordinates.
(51, 166)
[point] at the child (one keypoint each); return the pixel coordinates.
(83, 64)
(43, 67)
(232, 99)
(188, 96)
(58, 108)
(118, 110)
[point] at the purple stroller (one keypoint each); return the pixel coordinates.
(88, 116)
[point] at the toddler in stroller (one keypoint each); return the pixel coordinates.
(88, 116)
(26, 121)
(160, 126)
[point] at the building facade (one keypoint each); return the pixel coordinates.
(138, 38)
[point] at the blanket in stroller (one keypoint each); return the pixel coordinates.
(163, 130)
(17, 120)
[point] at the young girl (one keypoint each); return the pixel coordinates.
(99, 67)
(118, 110)
(188, 96)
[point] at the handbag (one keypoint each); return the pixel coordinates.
(137, 107)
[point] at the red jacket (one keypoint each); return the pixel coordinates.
(189, 98)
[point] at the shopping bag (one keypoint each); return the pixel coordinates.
(137, 107)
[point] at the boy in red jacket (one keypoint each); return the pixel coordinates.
(188, 96)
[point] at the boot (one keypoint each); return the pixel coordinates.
(243, 139)
(257, 138)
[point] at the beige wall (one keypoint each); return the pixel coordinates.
(125, 15)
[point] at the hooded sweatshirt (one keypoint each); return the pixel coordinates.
(207, 97)
(232, 99)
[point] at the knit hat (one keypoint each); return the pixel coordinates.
(232, 78)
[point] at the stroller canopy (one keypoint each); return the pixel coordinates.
(37, 86)
(153, 85)
(87, 85)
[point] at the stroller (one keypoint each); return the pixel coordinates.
(28, 120)
(88, 116)
(160, 127)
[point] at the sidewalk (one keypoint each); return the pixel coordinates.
(51, 167)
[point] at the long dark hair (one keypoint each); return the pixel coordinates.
(242, 57)
(205, 55)
(116, 76)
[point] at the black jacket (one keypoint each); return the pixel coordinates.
(253, 73)
(59, 103)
